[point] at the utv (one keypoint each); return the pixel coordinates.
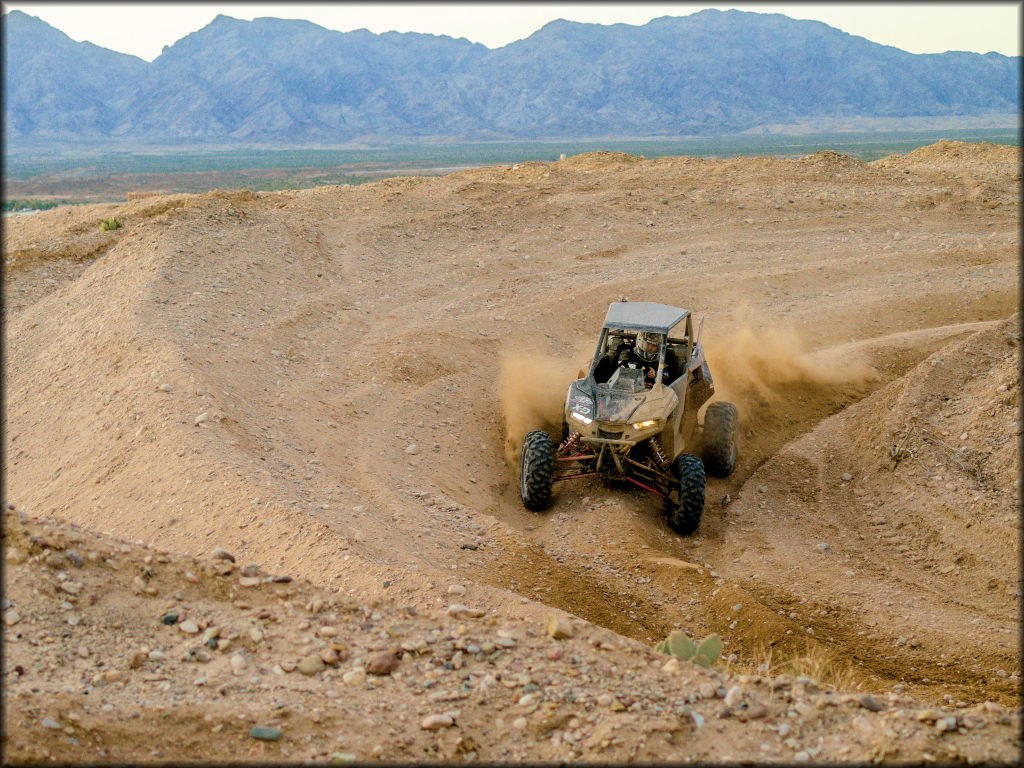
(638, 423)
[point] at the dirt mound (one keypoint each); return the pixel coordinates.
(940, 505)
(830, 160)
(979, 159)
(314, 381)
(591, 161)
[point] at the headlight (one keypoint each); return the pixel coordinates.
(580, 417)
(645, 424)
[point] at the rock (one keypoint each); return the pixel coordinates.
(805, 710)
(870, 703)
(459, 611)
(434, 722)
(49, 722)
(784, 729)
(329, 656)
(255, 635)
(238, 663)
(670, 666)
(137, 660)
(863, 725)
(801, 757)
(249, 581)
(222, 554)
(381, 663)
(156, 655)
(202, 418)
(263, 733)
(755, 711)
(554, 653)
(520, 723)
(326, 631)
(824, 547)
(355, 676)
(506, 642)
(310, 665)
(734, 696)
(456, 589)
(412, 449)
(847, 477)
(944, 724)
(169, 619)
(706, 690)
(113, 675)
(189, 627)
(11, 617)
(71, 587)
(559, 627)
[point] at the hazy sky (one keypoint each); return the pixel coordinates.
(143, 29)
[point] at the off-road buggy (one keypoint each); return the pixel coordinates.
(619, 424)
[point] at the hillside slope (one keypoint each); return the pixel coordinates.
(326, 382)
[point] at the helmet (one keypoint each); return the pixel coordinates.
(647, 345)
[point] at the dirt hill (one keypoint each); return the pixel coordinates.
(327, 383)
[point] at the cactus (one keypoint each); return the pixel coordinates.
(108, 224)
(678, 644)
(710, 647)
(681, 646)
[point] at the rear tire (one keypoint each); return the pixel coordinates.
(719, 442)
(536, 468)
(684, 517)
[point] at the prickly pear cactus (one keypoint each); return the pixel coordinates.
(678, 644)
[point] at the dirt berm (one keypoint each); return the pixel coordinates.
(327, 384)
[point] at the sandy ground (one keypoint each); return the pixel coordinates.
(328, 383)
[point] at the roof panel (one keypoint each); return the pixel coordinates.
(643, 316)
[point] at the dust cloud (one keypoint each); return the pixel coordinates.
(751, 365)
(532, 391)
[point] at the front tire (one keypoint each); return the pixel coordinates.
(536, 468)
(719, 443)
(684, 517)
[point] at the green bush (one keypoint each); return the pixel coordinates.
(678, 644)
(31, 204)
(112, 223)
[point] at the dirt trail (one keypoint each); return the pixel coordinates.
(314, 380)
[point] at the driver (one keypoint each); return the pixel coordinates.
(643, 355)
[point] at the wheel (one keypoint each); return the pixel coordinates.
(684, 517)
(719, 443)
(536, 466)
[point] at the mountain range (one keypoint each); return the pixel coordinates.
(289, 81)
